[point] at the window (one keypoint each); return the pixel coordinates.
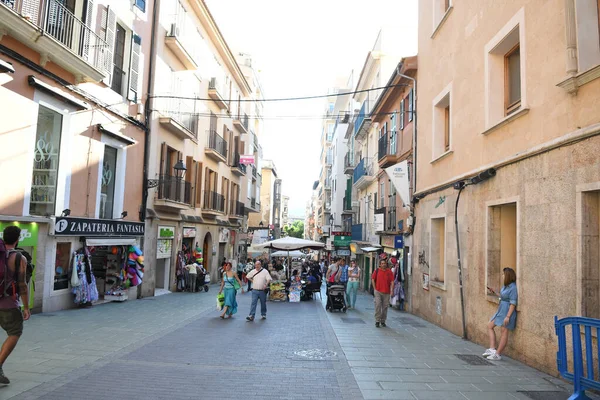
(501, 243)
(107, 188)
(587, 19)
(505, 73)
(442, 123)
(441, 9)
(512, 83)
(411, 105)
(61, 266)
(45, 162)
(119, 60)
(393, 134)
(141, 4)
(590, 253)
(402, 112)
(438, 250)
(382, 194)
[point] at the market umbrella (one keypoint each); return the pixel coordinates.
(291, 243)
(282, 253)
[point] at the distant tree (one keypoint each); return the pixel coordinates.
(295, 230)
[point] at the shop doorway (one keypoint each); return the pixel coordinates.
(207, 252)
(367, 273)
(163, 271)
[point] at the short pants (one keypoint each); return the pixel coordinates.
(11, 320)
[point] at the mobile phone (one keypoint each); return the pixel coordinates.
(490, 289)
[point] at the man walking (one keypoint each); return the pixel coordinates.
(260, 279)
(382, 280)
(11, 318)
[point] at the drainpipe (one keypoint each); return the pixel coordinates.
(460, 186)
(147, 113)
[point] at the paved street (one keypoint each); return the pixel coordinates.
(176, 347)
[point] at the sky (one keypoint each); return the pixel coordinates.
(301, 48)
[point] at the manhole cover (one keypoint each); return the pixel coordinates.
(545, 395)
(473, 360)
(351, 320)
(315, 354)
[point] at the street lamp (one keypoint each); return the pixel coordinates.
(260, 224)
(179, 174)
(331, 220)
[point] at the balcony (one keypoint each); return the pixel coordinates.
(388, 150)
(237, 168)
(254, 172)
(364, 173)
(241, 122)
(347, 204)
(179, 117)
(358, 233)
(173, 193)
(216, 91)
(254, 206)
(49, 28)
(216, 146)
(363, 121)
(183, 40)
(213, 204)
(348, 163)
(236, 209)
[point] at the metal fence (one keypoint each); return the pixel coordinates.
(216, 142)
(214, 201)
(175, 189)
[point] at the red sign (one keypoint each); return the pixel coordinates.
(341, 233)
(245, 160)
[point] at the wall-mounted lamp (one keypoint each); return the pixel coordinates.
(65, 213)
(123, 215)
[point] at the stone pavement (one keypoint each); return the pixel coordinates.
(176, 347)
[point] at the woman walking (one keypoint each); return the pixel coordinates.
(228, 283)
(353, 280)
(505, 317)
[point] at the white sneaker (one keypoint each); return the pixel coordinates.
(494, 357)
(489, 352)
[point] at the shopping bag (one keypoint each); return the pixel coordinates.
(207, 278)
(74, 277)
(220, 301)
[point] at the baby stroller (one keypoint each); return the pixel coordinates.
(336, 298)
(202, 280)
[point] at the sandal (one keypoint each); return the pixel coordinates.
(222, 316)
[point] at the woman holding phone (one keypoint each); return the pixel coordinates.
(506, 315)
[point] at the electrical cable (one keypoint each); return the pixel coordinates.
(280, 99)
(273, 117)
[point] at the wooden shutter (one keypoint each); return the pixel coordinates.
(109, 26)
(88, 10)
(411, 104)
(402, 112)
(134, 68)
(198, 184)
(163, 158)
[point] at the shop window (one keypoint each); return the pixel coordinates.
(438, 250)
(501, 243)
(62, 266)
(107, 191)
(590, 256)
(45, 162)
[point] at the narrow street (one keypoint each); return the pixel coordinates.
(176, 347)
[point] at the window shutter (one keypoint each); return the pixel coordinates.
(134, 68)
(411, 104)
(198, 184)
(89, 8)
(109, 26)
(402, 114)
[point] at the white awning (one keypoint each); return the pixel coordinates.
(369, 249)
(109, 241)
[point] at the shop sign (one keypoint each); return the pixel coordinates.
(398, 175)
(343, 252)
(399, 242)
(387, 241)
(29, 232)
(163, 248)
(67, 226)
(329, 244)
(341, 233)
(189, 232)
(378, 222)
(166, 232)
(223, 235)
(245, 160)
(342, 241)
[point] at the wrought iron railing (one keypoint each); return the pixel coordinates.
(348, 160)
(58, 22)
(382, 148)
(216, 142)
(253, 202)
(243, 118)
(181, 110)
(236, 208)
(254, 171)
(236, 162)
(174, 189)
(362, 114)
(214, 201)
(363, 168)
(184, 30)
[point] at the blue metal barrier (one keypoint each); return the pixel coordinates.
(581, 381)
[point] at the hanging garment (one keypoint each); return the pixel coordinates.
(87, 291)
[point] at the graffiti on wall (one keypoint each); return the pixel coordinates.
(423, 259)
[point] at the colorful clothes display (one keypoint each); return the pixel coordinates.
(86, 292)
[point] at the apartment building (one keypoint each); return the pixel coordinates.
(200, 125)
(362, 159)
(310, 215)
(72, 81)
(394, 114)
(508, 119)
(269, 215)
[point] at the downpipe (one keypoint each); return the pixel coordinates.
(460, 277)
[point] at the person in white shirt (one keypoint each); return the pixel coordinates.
(260, 279)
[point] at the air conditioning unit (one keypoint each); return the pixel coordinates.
(174, 30)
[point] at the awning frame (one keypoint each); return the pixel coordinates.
(109, 241)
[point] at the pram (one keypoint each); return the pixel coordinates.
(336, 298)
(202, 280)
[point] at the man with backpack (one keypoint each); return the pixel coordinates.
(13, 269)
(383, 284)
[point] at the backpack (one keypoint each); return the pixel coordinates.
(13, 290)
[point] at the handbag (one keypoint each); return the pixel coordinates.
(235, 284)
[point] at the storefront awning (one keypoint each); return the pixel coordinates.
(109, 241)
(370, 249)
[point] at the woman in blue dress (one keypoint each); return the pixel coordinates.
(505, 317)
(228, 284)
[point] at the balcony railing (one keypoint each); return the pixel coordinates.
(236, 208)
(347, 203)
(363, 168)
(382, 148)
(348, 161)
(58, 22)
(214, 201)
(253, 202)
(216, 142)
(362, 114)
(253, 171)
(174, 189)
(236, 162)
(183, 29)
(182, 111)
(243, 118)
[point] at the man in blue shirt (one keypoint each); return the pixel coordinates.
(344, 275)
